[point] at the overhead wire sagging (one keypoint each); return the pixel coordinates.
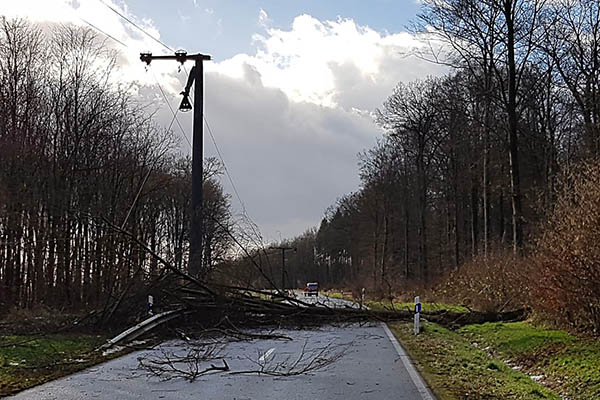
(174, 113)
(251, 223)
(135, 25)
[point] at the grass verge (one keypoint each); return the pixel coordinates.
(382, 305)
(566, 363)
(27, 361)
(426, 307)
(455, 369)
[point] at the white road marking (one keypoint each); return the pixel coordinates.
(416, 378)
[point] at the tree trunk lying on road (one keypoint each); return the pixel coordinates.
(212, 305)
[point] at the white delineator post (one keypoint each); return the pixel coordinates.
(150, 304)
(362, 298)
(417, 315)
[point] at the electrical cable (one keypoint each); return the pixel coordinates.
(157, 82)
(225, 166)
(244, 211)
(142, 30)
(143, 183)
(173, 112)
(137, 26)
(104, 33)
(155, 78)
(229, 177)
(253, 225)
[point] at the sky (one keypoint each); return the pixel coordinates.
(289, 94)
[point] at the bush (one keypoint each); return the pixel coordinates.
(568, 252)
(497, 283)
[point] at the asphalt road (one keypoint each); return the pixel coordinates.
(372, 366)
(325, 301)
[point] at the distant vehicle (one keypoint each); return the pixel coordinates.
(311, 289)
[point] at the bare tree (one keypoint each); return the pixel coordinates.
(573, 42)
(410, 115)
(498, 37)
(75, 145)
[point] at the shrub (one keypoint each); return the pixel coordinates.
(568, 252)
(497, 283)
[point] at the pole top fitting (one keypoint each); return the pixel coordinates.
(181, 56)
(146, 57)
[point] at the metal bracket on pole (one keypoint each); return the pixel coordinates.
(196, 77)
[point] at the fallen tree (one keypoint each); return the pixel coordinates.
(208, 305)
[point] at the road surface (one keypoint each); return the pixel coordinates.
(373, 366)
(325, 301)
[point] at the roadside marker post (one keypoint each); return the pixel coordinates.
(417, 315)
(362, 298)
(150, 304)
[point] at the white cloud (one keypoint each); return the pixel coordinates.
(99, 15)
(289, 118)
(263, 19)
(290, 160)
(314, 59)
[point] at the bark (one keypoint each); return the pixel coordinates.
(513, 128)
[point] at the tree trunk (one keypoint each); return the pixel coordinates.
(515, 181)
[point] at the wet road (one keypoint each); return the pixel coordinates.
(372, 366)
(325, 301)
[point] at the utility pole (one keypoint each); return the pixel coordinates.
(283, 250)
(196, 75)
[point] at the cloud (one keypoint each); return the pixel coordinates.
(289, 118)
(85, 12)
(312, 61)
(290, 159)
(263, 19)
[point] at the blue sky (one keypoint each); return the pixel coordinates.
(290, 94)
(224, 28)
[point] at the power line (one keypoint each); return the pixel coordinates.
(225, 166)
(136, 25)
(139, 192)
(155, 79)
(253, 225)
(172, 120)
(229, 177)
(171, 108)
(104, 33)
(141, 29)
(143, 183)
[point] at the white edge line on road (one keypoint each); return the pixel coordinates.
(416, 378)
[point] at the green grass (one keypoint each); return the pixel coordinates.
(337, 295)
(569, 363)
(382, 305)
(426, 307)
(455, 369)
(26, 361)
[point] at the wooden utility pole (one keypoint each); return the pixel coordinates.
(283, 250)
(196, 75)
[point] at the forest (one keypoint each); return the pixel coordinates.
(484, 188)
(81, 162)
